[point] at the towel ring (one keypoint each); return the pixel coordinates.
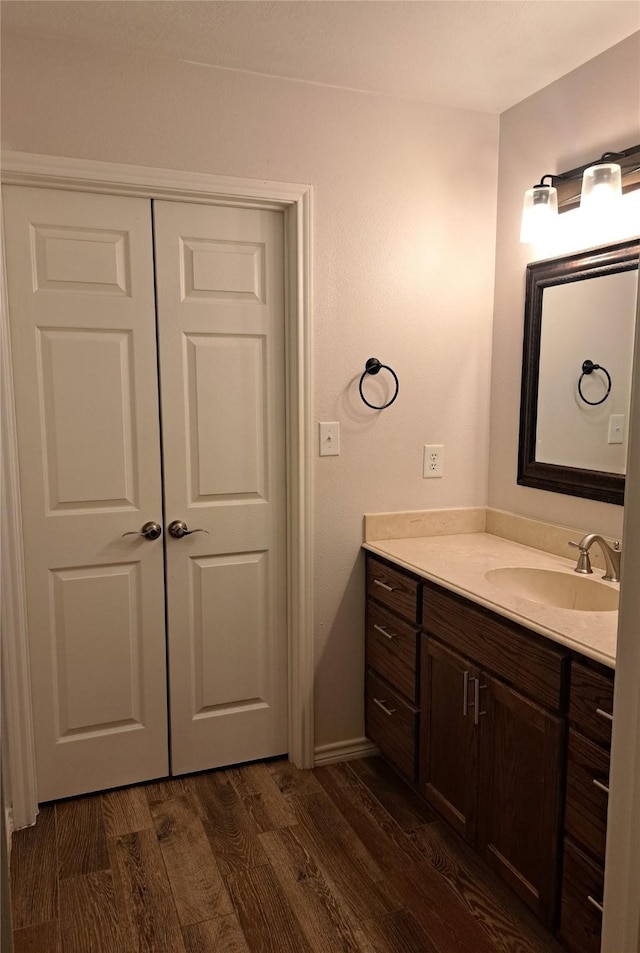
(373, 366)
(588, 367)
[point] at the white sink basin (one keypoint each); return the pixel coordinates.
(565, 590)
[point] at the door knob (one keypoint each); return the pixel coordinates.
(150, 530)
(179, 528)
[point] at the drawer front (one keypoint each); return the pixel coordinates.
(591, 704)
(392, 725)
(393, 588)
(582, 889)
(492, 642)
(391, 650)
(587, 794)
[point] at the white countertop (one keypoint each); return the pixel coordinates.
(459, 563)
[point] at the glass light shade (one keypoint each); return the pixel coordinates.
(539, 212)
(601, 186)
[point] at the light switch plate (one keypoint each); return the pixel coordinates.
(329, 439)
(616, 428)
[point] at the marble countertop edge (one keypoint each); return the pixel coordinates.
(592, 634)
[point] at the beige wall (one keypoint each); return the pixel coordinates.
(594, 109)
(403, 260)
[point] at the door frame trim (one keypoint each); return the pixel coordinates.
(295, 201)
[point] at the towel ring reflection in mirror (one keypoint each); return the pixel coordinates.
(373, 366)
(588, 367)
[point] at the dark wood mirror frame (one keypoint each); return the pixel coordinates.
(590, 484)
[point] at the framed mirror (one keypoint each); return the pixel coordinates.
(579, 326)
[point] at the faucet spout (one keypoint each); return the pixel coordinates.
(612, 555)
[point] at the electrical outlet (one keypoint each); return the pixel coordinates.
(433, 461)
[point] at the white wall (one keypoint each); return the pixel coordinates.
(403, 270)
(594, 109)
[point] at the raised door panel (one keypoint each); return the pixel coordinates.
(87, 401)
(221, 335)
(448, 736)
(519, 812)
(81, 303)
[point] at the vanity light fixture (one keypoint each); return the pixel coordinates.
(595, 187)
(539, 210)
(601, 184)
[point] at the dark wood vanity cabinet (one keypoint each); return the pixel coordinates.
(505, 733)
(448, 736)
(490, 755)
(587, 791)
(391, 713)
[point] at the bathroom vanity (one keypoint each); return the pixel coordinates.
(497, 710)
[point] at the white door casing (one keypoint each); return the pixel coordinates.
(220, 302)
(81, 296)
(295, 201)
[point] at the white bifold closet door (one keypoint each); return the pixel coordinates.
(114, 432)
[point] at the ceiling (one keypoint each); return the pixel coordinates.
(476, 54)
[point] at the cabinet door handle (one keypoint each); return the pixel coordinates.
(594, 903)
(382, 703)
(476, 701)
(601, 786)
(465, 693)
(383, 631)
(604, 714)
(383, 585)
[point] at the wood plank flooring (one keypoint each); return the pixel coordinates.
(259, 859)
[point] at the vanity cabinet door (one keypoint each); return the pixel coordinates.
(519, 792)
(448, 736)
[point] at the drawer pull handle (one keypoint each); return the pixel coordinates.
(381, 703)
(383, 631)
(594, 903)
(383, 585)
(601, 786)
(604, 714)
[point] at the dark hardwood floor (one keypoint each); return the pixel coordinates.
(259, 859)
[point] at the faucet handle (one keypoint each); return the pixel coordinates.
(573, 543)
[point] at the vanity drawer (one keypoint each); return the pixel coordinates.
(392, 724)
(582, 892)
(494, 643)
(591, 705)
(587, 794)
(392, 587)
(391, 650)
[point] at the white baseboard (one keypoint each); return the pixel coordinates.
(344, 751)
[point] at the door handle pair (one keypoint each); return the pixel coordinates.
(152, 530)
